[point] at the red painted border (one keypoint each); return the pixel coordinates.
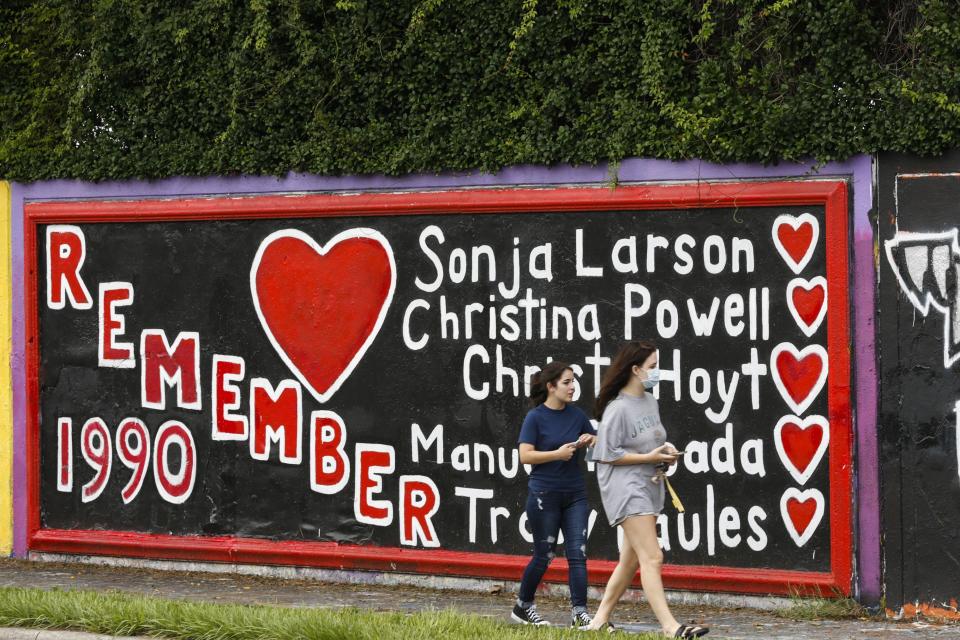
(830, 194)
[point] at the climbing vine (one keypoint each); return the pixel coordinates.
(112, 89)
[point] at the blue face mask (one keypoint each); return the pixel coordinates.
(653, 377)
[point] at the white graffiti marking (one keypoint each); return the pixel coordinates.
(927, 267)
(956, 411)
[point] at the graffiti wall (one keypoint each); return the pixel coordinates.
(920, 382)
(339, 380)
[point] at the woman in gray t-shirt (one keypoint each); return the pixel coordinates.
(631, 442)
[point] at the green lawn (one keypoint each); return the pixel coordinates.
(122, 614)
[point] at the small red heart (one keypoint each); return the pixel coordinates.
(799, 376)
(801, 513)
(797, 241)
(321, 307)
(801, 443)
(795, 238)
(809, 302)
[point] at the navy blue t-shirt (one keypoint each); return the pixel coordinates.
(546, 429)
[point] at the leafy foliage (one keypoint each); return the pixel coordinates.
(107, 89)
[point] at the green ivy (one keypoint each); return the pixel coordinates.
(114, 89)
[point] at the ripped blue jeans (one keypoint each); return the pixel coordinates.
(547, 513)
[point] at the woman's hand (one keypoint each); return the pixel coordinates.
(672, 449)
(664, 453)
(529, 455)
(566, 451)
(586, 440)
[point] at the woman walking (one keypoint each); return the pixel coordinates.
(631, 443)
(552, 435)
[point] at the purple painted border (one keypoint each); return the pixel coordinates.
(859, 169)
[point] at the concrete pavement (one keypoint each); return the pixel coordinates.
(729, 623)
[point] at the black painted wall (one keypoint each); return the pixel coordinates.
(920, 376)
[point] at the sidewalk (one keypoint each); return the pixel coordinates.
(732, 624)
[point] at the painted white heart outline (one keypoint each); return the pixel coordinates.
(795, 222)
(812, 420)
(807, 285)
(360, 232)
(802, 496)
(799, 407)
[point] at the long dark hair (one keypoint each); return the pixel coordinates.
(618, 373)
(548, 375)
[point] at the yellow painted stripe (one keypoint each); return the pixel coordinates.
(6, 400)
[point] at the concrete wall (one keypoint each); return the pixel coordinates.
(116, 233)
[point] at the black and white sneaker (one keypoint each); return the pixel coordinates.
(528, 615)
(581, 619)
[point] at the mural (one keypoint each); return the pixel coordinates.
(920, 385)
(339, 380)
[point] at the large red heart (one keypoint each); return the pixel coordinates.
(801, 443)
(321, 307)
(801, 512)
(807, 301)
(798, 374)
(795, 238)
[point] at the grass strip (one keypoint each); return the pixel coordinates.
(116, 613)
(818, 608)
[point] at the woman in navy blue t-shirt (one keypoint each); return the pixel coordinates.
(552, 435)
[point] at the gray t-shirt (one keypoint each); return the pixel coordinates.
(630, 424)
